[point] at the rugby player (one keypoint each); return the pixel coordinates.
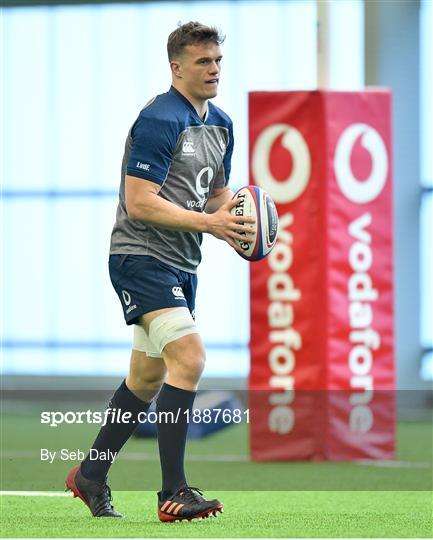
(174, 188)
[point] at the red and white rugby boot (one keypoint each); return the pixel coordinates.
(93, 494)
(187, 503)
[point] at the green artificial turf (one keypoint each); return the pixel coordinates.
(273, 499)
(247, 514)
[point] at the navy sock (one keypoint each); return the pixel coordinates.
(172, 436)
(113, 435)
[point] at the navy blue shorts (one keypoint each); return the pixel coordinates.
(144, 284)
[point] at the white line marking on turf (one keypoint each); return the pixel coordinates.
(231, 458)
(138, 456)
(37, 493)
(394, 464)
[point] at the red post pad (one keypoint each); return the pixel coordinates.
(322, 349)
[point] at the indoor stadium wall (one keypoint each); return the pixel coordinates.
(62, 325)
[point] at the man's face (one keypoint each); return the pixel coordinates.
(198, 69)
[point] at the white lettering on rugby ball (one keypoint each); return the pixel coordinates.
(255, 202)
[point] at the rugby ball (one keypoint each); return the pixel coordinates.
(253, 201)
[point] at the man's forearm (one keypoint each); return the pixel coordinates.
(158, 211)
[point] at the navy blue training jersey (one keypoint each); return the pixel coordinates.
(169, 144)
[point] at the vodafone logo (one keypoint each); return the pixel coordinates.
(207, 172)
(361, 191)
(294, 185)
(126, 297)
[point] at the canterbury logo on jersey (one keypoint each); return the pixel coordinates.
(178, 293)
(188, 147)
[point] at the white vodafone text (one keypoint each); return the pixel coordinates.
(284, 338)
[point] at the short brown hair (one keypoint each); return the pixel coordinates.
(191, 33)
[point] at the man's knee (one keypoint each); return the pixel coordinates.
(145, 382)
(186, 355)
(146, 373)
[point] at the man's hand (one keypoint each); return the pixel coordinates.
(225, 226)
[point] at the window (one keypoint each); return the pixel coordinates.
(76, 78)
(426, 215)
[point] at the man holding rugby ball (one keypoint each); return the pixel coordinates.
(173, 189)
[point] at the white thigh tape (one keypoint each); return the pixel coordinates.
(142, 342)
(170, 326)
